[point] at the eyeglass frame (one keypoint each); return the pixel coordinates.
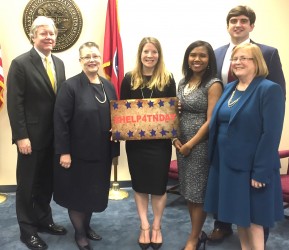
(241, 59)
(89, 58)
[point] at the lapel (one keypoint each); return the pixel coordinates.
(57, 66)
(245, 97)
(213, 123)
(38, 64)
(85, 84)
(110, 95)
(220, 56)
(227, 92)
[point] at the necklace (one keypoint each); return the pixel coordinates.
(232, 103)
(103, 94)
(188, 89)
(143, 94)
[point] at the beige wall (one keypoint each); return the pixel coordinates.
(174, 23)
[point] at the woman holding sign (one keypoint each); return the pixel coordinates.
(149, 160)
(198, 93)
(82, 144)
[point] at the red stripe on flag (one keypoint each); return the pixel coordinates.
(1, 81)
(112, 51)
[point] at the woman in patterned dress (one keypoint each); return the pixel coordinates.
(198, 93)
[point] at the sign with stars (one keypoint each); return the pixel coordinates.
(144, 119)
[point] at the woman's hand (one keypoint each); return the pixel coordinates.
(177, 143)
(65, 160)
(257, 184)
(185, 150)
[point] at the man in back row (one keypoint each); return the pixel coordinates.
(240, 22)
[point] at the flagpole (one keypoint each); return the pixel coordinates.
(3, 198)
(114, 71)
(115, 193)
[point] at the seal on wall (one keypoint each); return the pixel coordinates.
(65, 14)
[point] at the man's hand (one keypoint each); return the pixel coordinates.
(24, 146)
(65, 160)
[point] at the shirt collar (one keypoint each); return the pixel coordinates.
(43, 56)
(232, 46)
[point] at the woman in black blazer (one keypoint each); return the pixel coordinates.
(82, 144)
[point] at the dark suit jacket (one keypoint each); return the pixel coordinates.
(30, 99)
(77, 122)
(254, 129)
(272, 60)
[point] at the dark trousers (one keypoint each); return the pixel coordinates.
(34, 190)
(225, 225)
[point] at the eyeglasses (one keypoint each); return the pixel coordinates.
(88, 58)
(241, 59)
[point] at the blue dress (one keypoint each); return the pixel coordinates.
(229, 193)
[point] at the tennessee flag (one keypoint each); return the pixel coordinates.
(1, 81)
(112, 51)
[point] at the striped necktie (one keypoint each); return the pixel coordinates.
(50, 73)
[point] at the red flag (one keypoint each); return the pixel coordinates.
(112, 51)
(1, 81)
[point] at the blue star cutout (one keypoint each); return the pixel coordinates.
(130, 134)
(172, 102)
(128, 105)
(153, 132)
(161, 103)
(117, 135)
(164, 132)
(142, 133)
(115, 105)
(151, 104)
(174, 132)
(139, 104)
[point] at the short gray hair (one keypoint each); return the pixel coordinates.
(41, 21)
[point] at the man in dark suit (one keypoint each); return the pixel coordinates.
(240, 22)
(32, 83)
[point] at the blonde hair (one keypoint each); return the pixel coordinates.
(258, 59)
(160, 77)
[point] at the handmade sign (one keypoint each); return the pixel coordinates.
(144, 119)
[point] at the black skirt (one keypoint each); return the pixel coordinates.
(83, 187)
(148, 162)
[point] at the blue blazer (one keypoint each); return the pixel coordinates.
(254, 129)
(272, 60)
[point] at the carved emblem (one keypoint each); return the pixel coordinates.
(65, 14)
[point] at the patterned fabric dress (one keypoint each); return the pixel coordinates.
(194, 168)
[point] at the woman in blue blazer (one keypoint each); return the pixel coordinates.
(245, 129)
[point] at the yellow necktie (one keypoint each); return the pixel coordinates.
(50, 73)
